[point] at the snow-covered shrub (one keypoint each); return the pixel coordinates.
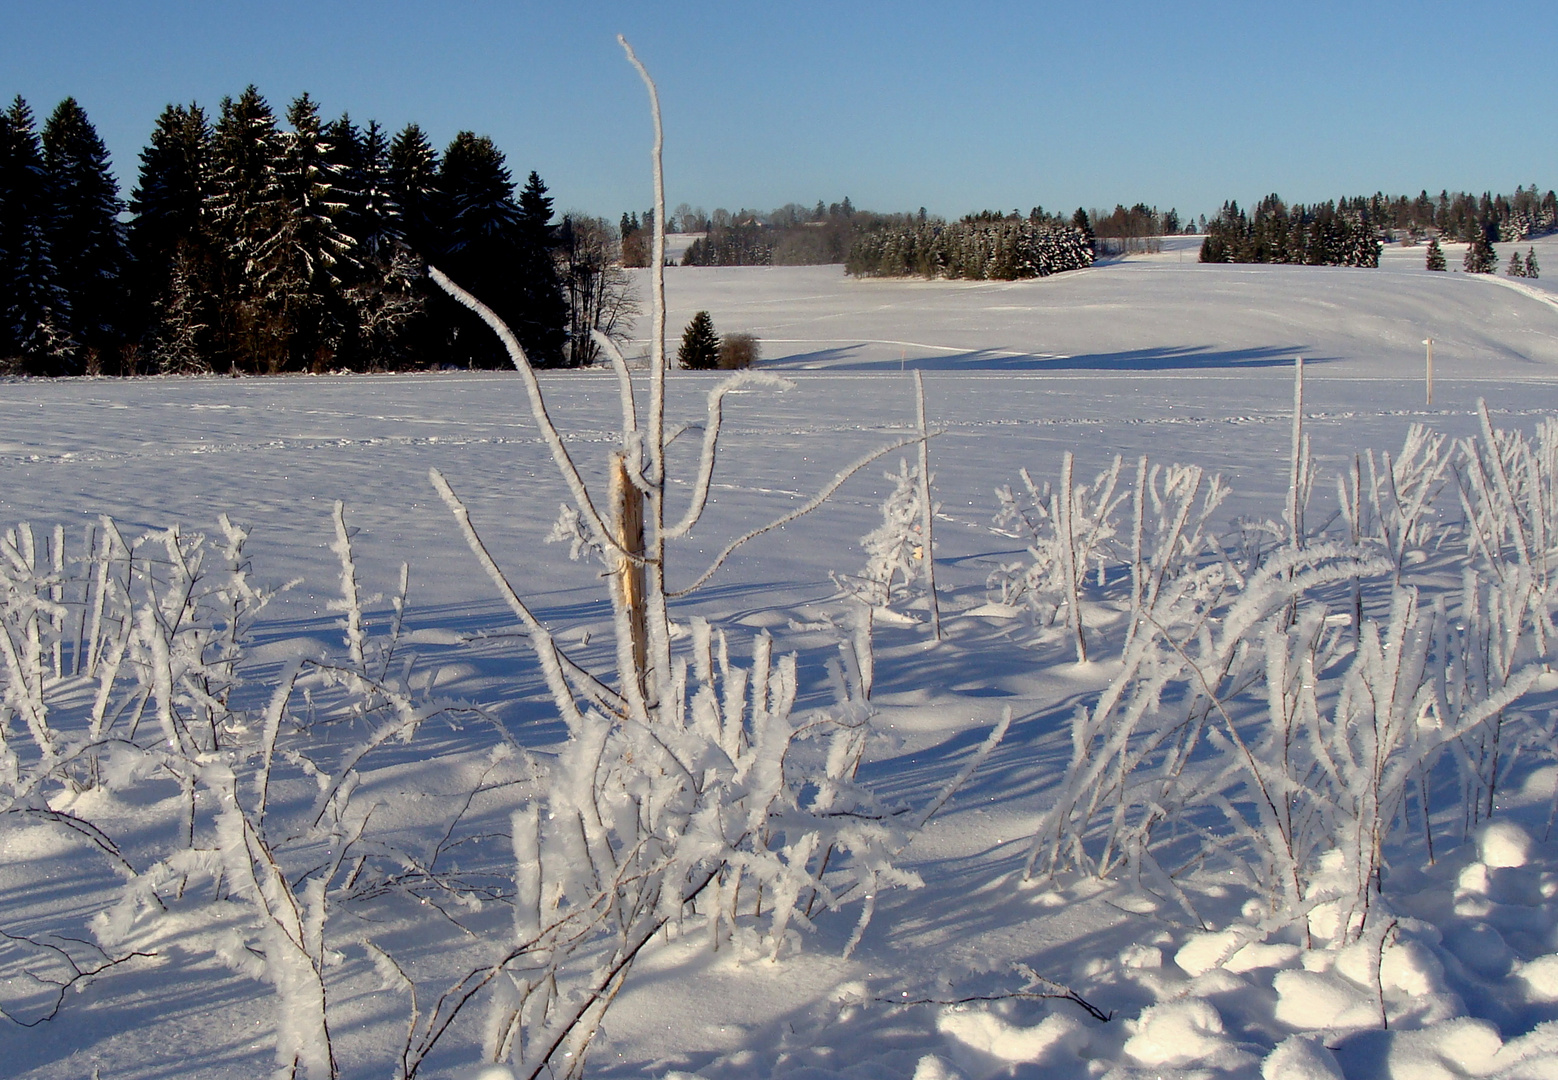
(1069, 529)
(1274, 705)
(897, 558)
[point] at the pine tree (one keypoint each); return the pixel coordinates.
(490, 247)
(33, 308)
(312, 247)
(381, 288)
(700, 345)
(1480, 256)
(86, 238)
(170, 243)
(545, 299)
(413, 168)
(248, 213)
(1532, 270)
(1435, 260)
(1516, 267)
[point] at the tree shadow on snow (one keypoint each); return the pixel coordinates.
(1174, 358)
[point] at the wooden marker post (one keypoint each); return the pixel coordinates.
(627, 520)
(1430, 343)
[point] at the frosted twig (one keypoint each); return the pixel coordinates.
(549, 433)
(816, 501)
(619, 365)
(587, 683)
(76, 980)
(711, 434)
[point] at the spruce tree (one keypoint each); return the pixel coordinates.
(493, 248)
(1532, 270)
(413, 170)
(33, 308)
(1516, 267)
(1480, 256)
(1435, 259)
(313, 248)
(249, 218)
(699, 350)
(172, 289)
(86, 238)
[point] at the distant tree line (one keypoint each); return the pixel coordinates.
(1319, 235)
(1460, 216)
(247, 246)
(988, 245)
(1127, 230)
(793, 235)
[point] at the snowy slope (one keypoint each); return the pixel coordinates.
(1152, 356)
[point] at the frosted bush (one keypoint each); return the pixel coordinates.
(1286, 709)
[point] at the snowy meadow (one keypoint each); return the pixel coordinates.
(1200, 723)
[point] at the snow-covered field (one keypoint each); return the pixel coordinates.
(1153, 356)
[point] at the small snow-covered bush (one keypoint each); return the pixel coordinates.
(1276, 703)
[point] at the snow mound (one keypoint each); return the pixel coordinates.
(986, 1033)
(931, 1067)
(1301, 1057)
(1503, 843)
(1182, 1033)
(1316, 1000)
(1463, 1047)
(1540, 978)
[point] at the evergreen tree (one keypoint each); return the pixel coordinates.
(1480, 256)
(545, 299)
(490, 247)
(1435, 259)
(172, 291)
(535, 210)
(1079, 220)
(177, 333)
(1532, 270)
(249, 217)
(33, 311)
(1516, 267)
(699, 350)
(382, 290)
(85, 236)
(312, 247)
(413, 171)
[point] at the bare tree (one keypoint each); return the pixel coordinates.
(600, 292)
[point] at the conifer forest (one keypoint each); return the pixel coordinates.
(258, 243)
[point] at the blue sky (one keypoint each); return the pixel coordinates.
(954, 107)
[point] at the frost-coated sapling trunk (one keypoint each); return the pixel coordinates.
(683, 785)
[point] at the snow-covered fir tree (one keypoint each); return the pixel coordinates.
(699, 350)
(172, 292)
(248, 212)
(1435, 257)
(86, 239)
(34, 309)
(314, 248)
(1480, 256)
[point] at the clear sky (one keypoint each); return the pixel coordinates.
(952, 106)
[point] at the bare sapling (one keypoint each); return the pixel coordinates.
(686, 795)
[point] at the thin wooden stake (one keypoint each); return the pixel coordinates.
(1430, 343)
(927, 510)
